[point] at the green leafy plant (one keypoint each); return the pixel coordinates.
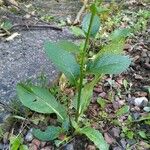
(74, 62)
(16, 143)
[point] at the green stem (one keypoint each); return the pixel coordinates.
(83, 54)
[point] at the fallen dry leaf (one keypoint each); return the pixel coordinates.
(10, 38)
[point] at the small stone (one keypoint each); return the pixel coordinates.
(138, 77)
(32, 146)
(115, 132)
(116, 105)
(123, 143)
(108, 138)
(117, 148)
(69, 147)
(136, 115)
(43, 144)
(1, 146)
(36, 142)
(136, 108)
(47, 148)
(141, 93)
(136, 58)
(98, 89)
(128, 47)
(29, 136)
(91, 147)
(141, 101)
(103, 95)
(147, 66)
(147, 109)
(131, 142)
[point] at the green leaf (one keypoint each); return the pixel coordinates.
(102, 102)
(6, 25)
(96, 137)
(142, 134)
(147, 109)
(120, 34)
(109, 64)
(15, 142)
(77, 31)
(68, 46)
(95, 25)
(123, 110)
(66, 124)
(130, 134)
(86, 95)
(114, 47)
(63, 60)
(144, 118)
(49, 134)
(23, 147)
(40, 100)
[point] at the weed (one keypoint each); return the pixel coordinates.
(109, 60)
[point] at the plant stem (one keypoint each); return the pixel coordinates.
(83, 54)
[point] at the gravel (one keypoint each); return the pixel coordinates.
(23, 58)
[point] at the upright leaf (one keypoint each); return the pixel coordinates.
(86, 95)
(114, 47)
(77, 31)
(95, 25)
(40, 100)
(120, 34)
(96, 137)
(68, 46)
(109, 64)
(49, 134)
(63, 60)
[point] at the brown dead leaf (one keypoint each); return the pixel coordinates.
(11, 37)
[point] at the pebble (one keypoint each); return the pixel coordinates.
(91, 147)
(69, 147)
(1, 146)
(115, 132)
(123, 143)
(141, 94)
(141, 101)
(47, 148)
(138, 77)
(117, 148)
(147, 109)
(36, 142)
(136, 115)
(32, 147)
(29, 136)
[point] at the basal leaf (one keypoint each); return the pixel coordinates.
(40, 100)
(96, 137)
(95, 26)
(63, 60)
(49, 134)
(68, 46)
(109, 64)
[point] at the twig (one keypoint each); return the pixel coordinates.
(36, 26)
(78, 17)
